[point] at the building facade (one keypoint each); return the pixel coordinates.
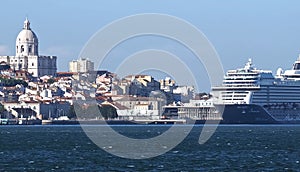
(27, 57)
(139, 108)
(81, 65)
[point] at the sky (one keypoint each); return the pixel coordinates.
(267, 31)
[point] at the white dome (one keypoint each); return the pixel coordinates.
(27, 41)
(27, 36)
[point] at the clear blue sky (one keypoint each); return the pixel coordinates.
(268, 31)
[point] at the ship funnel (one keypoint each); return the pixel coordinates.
(248, 64)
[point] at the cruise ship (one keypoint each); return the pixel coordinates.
(253, 96)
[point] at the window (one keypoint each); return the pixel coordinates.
(29, 49)
(22, 48)
(32, 64)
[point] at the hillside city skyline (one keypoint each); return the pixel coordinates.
(236, 32)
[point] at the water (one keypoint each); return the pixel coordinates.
(231, 148)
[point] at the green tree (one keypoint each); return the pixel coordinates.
(92, 111)
(71, 113)
(12, 82)
(2, 110)
(51, 81)
(108, 112)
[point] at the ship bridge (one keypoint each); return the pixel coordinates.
(293, 74)
(238, 85)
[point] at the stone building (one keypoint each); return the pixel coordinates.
(27, 57)
(81, 65)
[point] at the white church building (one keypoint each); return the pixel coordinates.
(27, 57)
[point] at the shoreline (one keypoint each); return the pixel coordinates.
(131, 122)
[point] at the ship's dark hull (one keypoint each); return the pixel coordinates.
(246, 114)
(250, 114)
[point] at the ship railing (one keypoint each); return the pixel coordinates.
(288, 82)
(238, 86)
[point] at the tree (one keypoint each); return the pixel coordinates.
(108, 112)
(51, 81)
(2, 110)
(12, 82)
(92, 111)
(71, 112)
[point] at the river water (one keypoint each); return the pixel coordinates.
(231, 148)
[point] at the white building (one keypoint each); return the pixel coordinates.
(185, 92)
(139, 108)
(27, 57)
(40, 110)
(167, 84)
(81, 65)
(199, 110)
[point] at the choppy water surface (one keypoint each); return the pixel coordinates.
(231, 148)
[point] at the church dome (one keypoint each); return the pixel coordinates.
(27, 36)
(27, 41)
